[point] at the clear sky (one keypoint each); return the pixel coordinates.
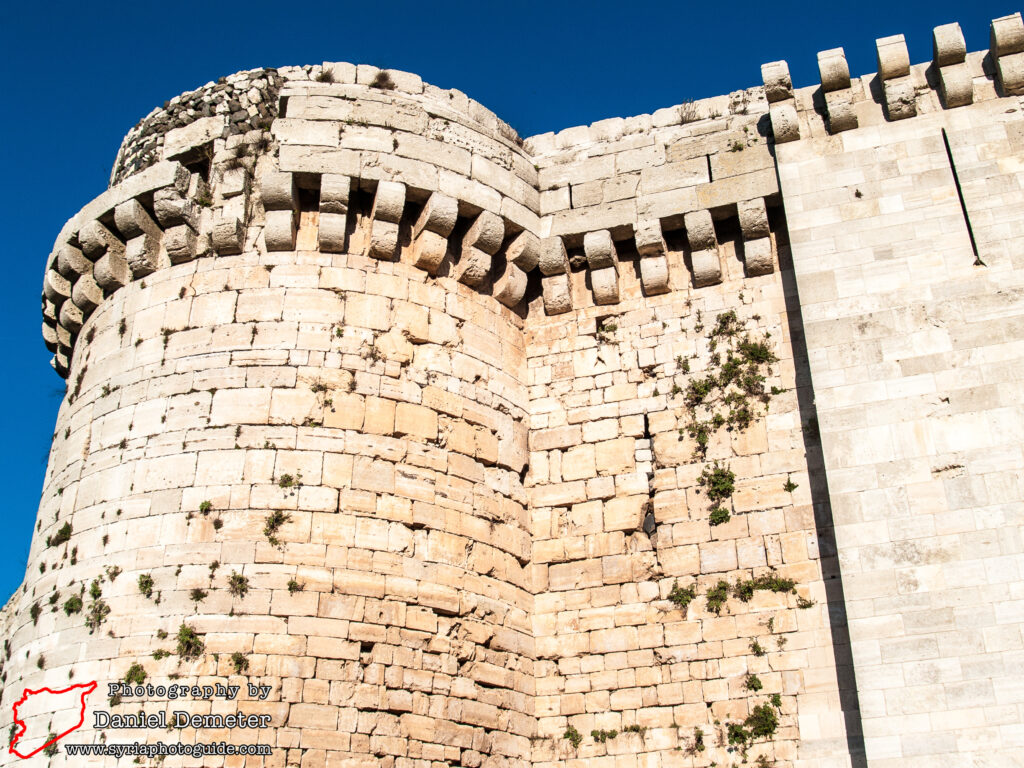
(79, 75)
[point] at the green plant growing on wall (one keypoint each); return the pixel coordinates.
(197, 595)
(62, 535)
(573, 736)
(772, 582)
(717, 596)
(756, 648)
(146, 585)
(753, 683)
(136, 674)
(294, 586)
(239, 662)
(73, 605)
(190, 645)
(238, 585)
(682, 596)
(602, 736)
(274, 521)
(35, 612)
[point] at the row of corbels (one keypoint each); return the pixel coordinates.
(490, 253)
(97, 259)
(955, 83)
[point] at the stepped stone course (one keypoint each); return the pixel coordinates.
(684, 439)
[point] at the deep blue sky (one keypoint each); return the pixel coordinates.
(79, 75)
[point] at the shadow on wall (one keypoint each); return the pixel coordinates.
(822, 506)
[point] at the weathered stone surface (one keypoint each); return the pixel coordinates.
(707, 267)
(278, 191)
(510, 287)
(600, 250)
(1006, 35)
(473, 266)
(654, 275)
(757, 256)
(557, 296)
(429, 251)
(228, 235)
(841, 113)
(388, 202)
(438, 215)
(956, 85)
(893, 58)
(948, 45)
(700, 230)
(334, 194)
(332, 232)
(785, 123)
(553, 257)
(778, 86)
(605, 284)
(524, 251)
(486, 233)
(753, 218)
(279, 230)
(180, 243)
(834, 71)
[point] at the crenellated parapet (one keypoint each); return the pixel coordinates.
(897, 91)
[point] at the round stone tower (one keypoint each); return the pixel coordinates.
(293, 440)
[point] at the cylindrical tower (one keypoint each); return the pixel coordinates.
(292, 447)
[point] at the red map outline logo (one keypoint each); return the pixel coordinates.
(88, 688)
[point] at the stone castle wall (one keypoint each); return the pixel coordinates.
(487, 452)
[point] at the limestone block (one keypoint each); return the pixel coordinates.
(557, 294)
(1011, 73)
(172, 208)
(654, 275)
(50, 336)
(388, 202)
(1006, 35)
(180, 243)
(97, 240)
(785, 123)
(133, 220)
(279, 230)
(524, 251)
(71, 317)
(429, 250)
(948, 45)
(707, 267)
(757, 256)
(334, 194)
(233, 182)
(180, 140)
(473, 266)
(778, 86)
(416, 421)
(486, 233)
(835, 73)
(71, 262)
(650, 241)
(61, 363)
(332, 230)
(56, 287)
(438, 216)
(111, 270)
(228, 235)
(893, 57)
(86, 293)
(605, 284)
(144, 255)
(49, 308)
(956, 86)
(510, 287)
(278, 191)
(753, 218)
(553, 258)
(383, 240)
(700, 230)
(841, 114)
(600, 251)
(900, 98)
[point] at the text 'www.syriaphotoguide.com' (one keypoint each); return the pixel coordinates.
(159, 749)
